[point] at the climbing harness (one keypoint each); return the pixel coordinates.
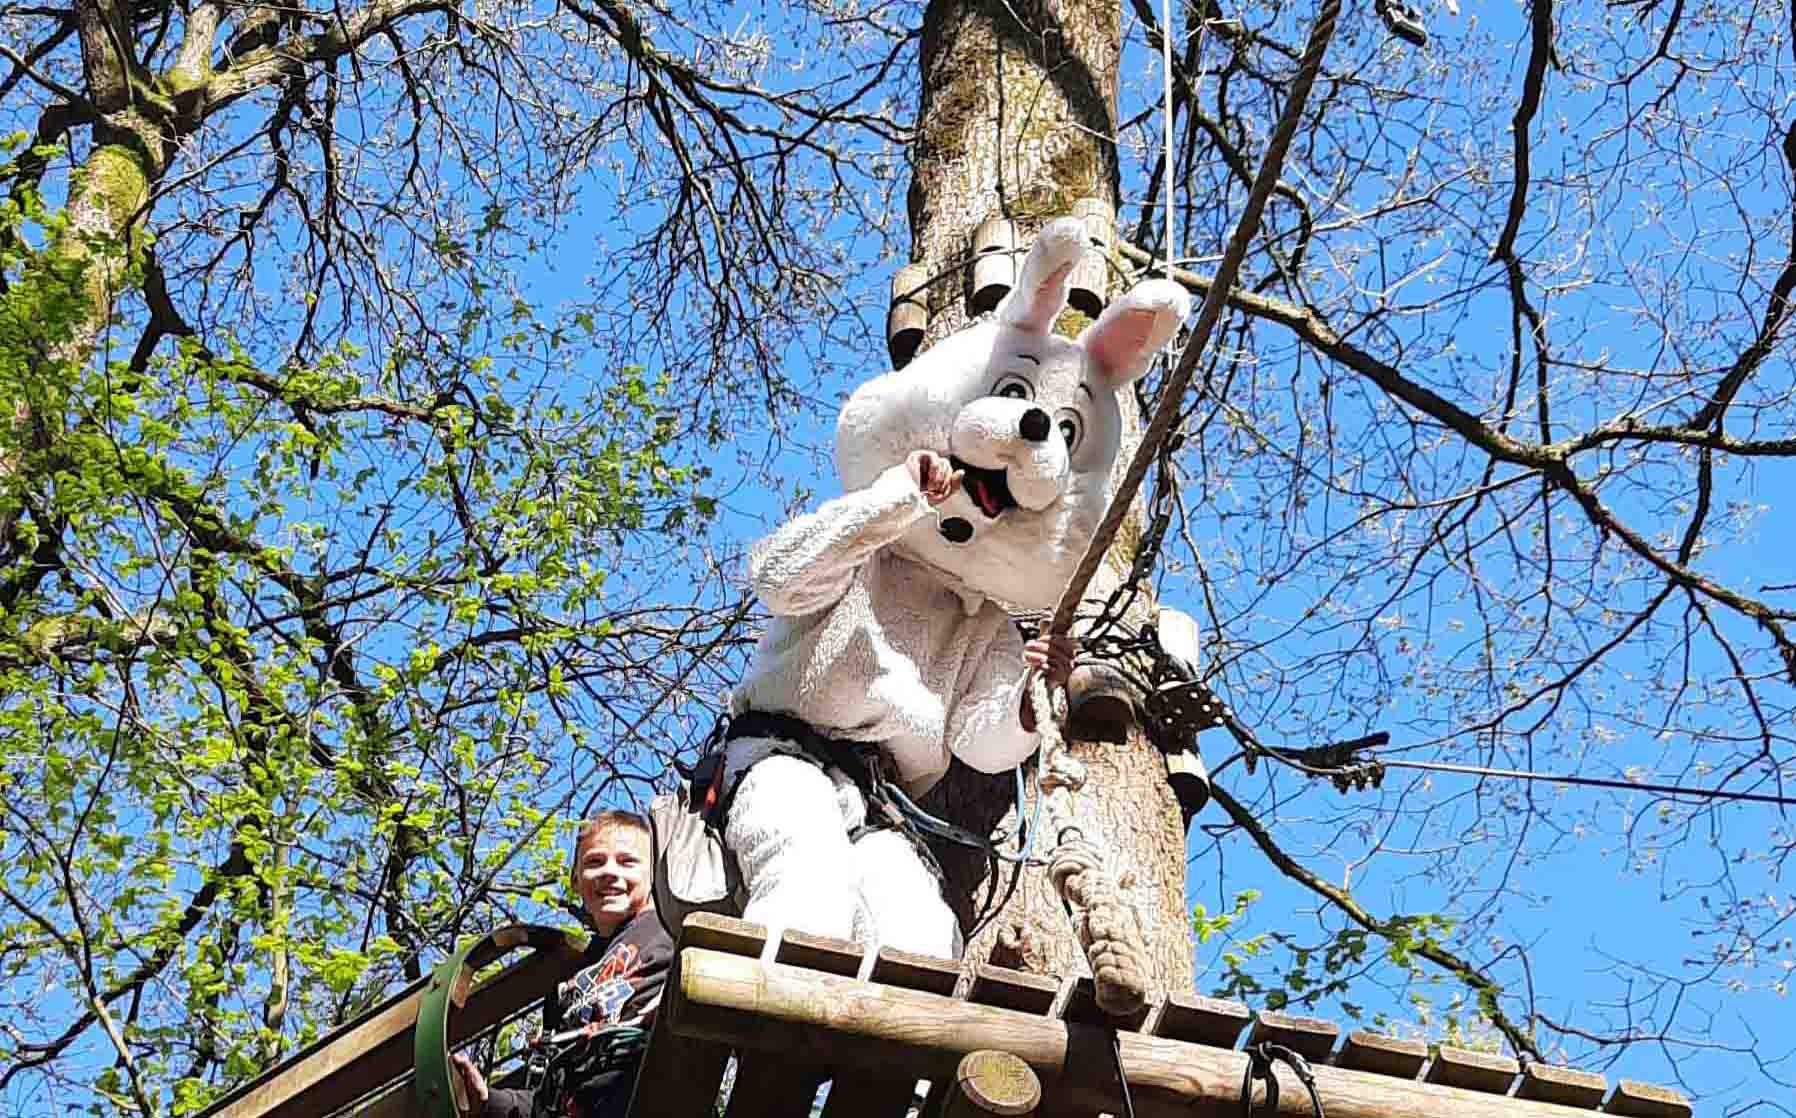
(696, 872)
(560, 1065)
(862, 762)
(1259, 1067)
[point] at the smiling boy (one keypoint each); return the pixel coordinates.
(621, 984)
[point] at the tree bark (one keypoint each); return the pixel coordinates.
(1018, 118)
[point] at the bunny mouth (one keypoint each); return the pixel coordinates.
(989, 489)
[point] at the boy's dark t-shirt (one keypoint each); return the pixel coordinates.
(620, 985)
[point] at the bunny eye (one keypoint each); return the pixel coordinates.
(1072, 428)
(1015, 387)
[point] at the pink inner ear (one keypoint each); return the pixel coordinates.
(1117, 346)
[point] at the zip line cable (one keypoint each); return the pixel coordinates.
(1594, 781)
(1340, 761)
(1166, 160)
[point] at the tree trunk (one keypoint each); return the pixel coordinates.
(1018, 118)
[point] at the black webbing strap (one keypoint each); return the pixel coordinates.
(887, 805)
(1122, 1078)
(863, 762)
(1259, 1066)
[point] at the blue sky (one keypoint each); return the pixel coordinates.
(1603, 893)
(1600, 914)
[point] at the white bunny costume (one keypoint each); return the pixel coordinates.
(885, 627)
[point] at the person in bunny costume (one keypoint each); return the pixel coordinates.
(973, 476)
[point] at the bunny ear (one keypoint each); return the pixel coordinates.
(1123, 340)
(1040, 290)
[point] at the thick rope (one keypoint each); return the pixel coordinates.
(1173, 391)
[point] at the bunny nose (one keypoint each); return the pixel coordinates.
(1035, 425)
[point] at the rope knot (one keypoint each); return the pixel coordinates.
(1072, 858)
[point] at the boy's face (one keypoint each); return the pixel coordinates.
(611, 875)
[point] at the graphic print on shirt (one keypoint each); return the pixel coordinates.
(597, 995)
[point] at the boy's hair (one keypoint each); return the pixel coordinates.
(605, 821)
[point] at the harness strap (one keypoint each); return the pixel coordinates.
(862, 762)
(887, 805)
(574, 1057)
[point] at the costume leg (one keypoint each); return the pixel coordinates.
(904, 898)
(785, 828)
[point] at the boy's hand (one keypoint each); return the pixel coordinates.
(473, 1083)
(936, 477)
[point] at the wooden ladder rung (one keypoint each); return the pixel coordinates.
(1004, 988)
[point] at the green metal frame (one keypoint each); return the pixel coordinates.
(435, 1085)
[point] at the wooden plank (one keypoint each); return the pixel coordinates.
(865, 1095)
(1473, 1071)
(832, 956)
(731, 1000)
(399, 1102)
(768, 1085)
(1082, 1006)
(777, 1086)
(375, 1050)
(722, 933)
(1309, 1037)
(1382, 1055)
(1565, 1086)
(1201, 1020)
(1644, 1100)
(678, 1075)
(1012, 989)
(916, 972)
(332, 1072)
(394, 1102)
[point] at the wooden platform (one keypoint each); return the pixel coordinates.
(802, 1023)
